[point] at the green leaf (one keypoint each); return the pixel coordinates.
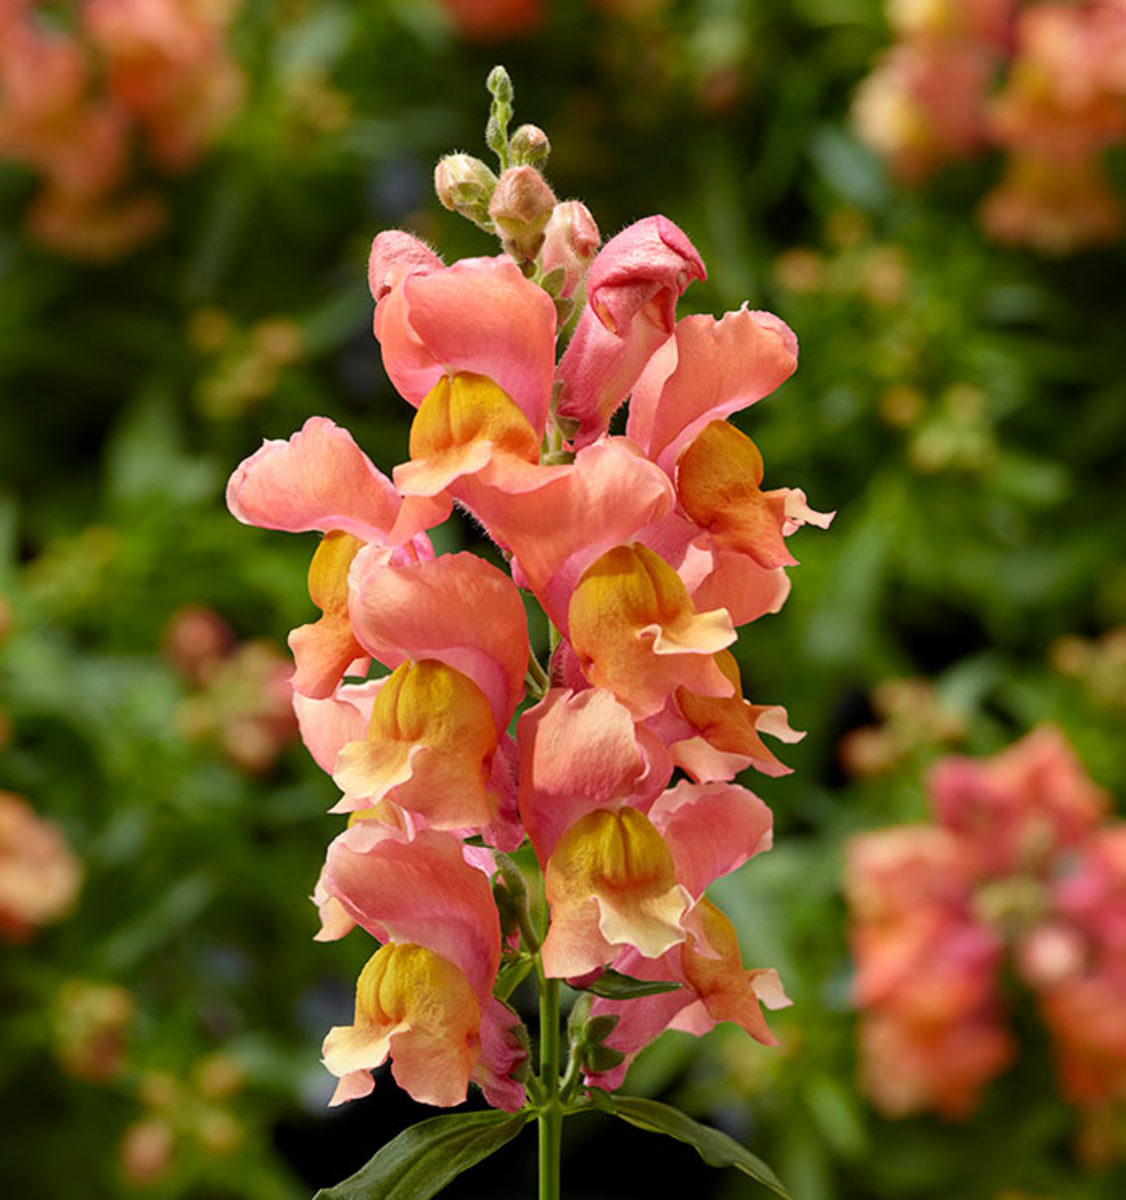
(613, 985)
(715, 1148)
(424, 1158)
(511, 976)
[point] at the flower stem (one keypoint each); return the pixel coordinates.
(550, 1116)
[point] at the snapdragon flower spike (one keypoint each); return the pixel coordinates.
(321, 480)
(632, 289)
(425, 998)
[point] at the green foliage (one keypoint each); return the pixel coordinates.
(714, 1147)
(613, 985)
(423, 1159)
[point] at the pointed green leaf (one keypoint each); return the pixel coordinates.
(715, 1148)
(511, 976)
(424, 1158)
(613, 985)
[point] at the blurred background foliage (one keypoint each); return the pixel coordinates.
(962, 406)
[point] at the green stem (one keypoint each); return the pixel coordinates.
(550, 1116)
(537, 676)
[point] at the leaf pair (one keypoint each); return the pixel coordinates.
(423, 1159)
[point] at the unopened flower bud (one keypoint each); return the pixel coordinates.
(520, 208)
(571, 241)
(499, 84)
(529, 146)
(465, 185)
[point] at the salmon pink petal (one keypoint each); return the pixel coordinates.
(480, 316)
(602, 499)
(725, 990)
(718, 368)
(325, 649)
(328, 725)
(319, 479)
(746, 590)
(429, 747)
(711, 830)
(418, 1007)
(717, 480)
(714, 738)
(457, 609)
(418, 890)
(394, 254)
(632, 290)
(578, 752)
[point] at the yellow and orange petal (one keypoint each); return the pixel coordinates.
(727, 991)
(637, 634)
(324, 649)
(429, 746)
(418, 1007)
(611, 882)
(728, 724)
(718, 480)
(460, 424)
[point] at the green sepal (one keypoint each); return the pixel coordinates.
(613, 985)
(599, 1059)
(424, 1158)
(714, 1147)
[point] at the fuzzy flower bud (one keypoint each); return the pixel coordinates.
(529, 146)
(465, 185)
(520, 208)
(571, 241)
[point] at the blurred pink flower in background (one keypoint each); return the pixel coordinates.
(1019, 863)
(73, 100)
(1045, 85)
(40, 876)
(241, 695)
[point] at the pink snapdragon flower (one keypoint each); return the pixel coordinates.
(424, 998)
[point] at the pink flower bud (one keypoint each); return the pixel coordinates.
(529, 146)
(571, 241)
(520, 208)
